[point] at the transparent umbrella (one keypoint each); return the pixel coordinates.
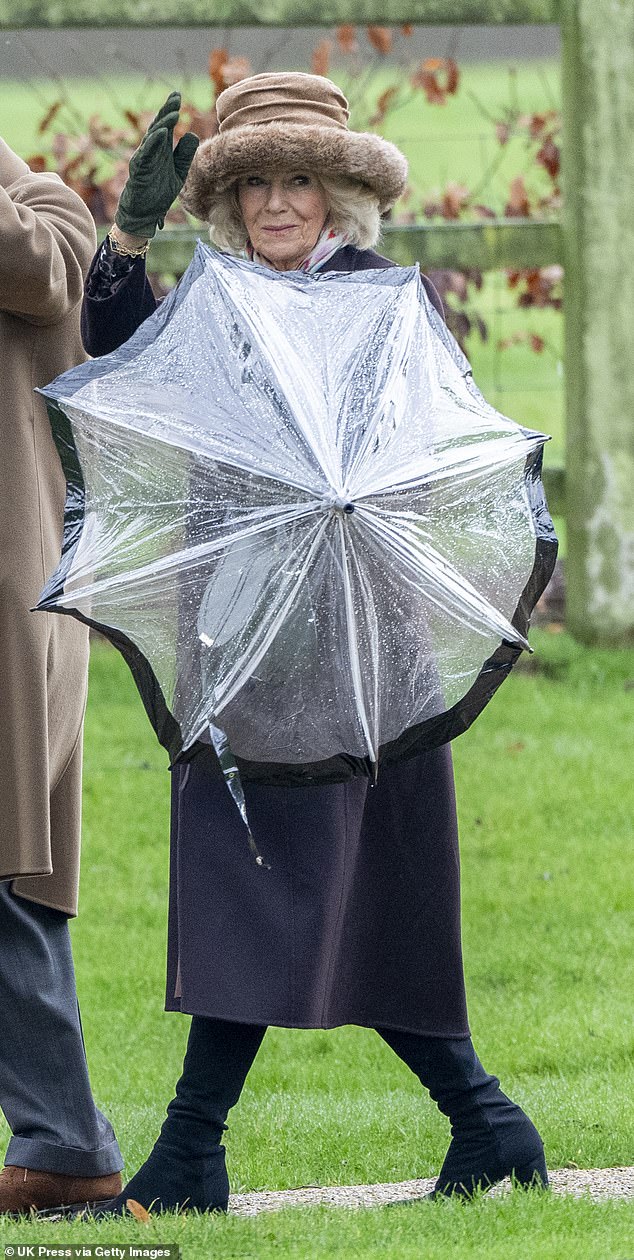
(294, 513)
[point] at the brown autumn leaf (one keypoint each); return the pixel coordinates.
(438, 77)
(50, 114)
(136, 122)
(320, 60)
(452, 79)
(518, 205)
(70, 168)
(533, 294)
(380, 38)
(483, 212)
(538, 286)
(218, 58)
(383, 104)
(538, 123)
(347, 38)
(549, 156)
(424, 79)
(37, 162)
(523, 338)
(236, 69)
(454, 199)
(138, 1211)
(407, 29)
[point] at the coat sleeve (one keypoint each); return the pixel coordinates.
(47, 236)
(112, 312)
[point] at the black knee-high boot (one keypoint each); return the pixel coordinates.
(492, 1137)
(186, 1167)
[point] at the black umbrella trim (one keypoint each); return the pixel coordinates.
(417, 739)
(167, 728)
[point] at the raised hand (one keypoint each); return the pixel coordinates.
(157, 173)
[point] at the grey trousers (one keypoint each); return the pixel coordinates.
(44, 1086)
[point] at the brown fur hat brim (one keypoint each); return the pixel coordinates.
(223, 159)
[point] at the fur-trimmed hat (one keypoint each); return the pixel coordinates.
(290, 122)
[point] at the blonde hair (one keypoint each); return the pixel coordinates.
(353, 209)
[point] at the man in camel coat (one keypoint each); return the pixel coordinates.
(62, 1150)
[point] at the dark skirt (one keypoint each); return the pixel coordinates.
(357, 921)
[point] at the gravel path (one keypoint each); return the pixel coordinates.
(598, 1183)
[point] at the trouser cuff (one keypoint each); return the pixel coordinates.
(69, 1161)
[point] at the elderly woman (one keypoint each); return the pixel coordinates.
(358, 919)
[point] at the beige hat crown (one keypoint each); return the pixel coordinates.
(306, 99)
(290, 121)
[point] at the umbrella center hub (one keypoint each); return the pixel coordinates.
(341, 505)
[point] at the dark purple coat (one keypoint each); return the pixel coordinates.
(356, 920)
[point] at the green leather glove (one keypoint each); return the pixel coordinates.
(157, 173)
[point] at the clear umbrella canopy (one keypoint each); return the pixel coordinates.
(292, 509)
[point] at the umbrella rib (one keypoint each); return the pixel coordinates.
(499, 453)
(448, 580)
(353, 643)
(192, 446)
(393, 378)
(289, 359)
(158, 568)
(236, 679)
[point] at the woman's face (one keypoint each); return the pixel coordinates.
(283, 215)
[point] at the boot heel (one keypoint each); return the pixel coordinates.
(534, 1173)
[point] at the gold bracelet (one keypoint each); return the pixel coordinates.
(119, 248)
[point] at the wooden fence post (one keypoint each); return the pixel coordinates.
(598, 221)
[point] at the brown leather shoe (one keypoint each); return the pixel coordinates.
(25, 1190)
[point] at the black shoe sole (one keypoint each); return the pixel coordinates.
(73, 1209)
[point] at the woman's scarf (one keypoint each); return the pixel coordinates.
(328, 243)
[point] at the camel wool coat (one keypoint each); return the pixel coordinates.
(47, 239)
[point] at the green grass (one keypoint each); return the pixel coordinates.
(545, 797)
(526, 1227)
